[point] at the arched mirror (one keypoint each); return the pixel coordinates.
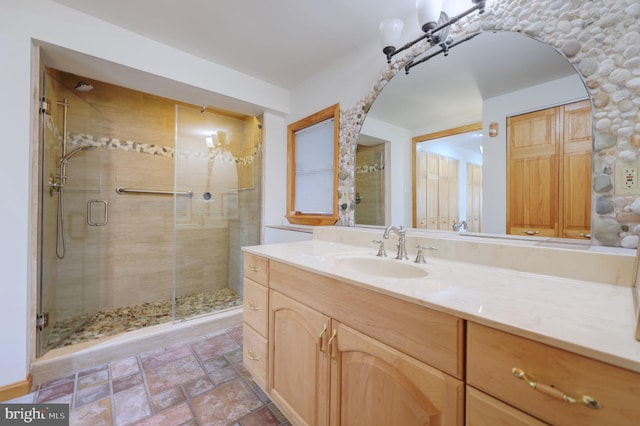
(486, 80)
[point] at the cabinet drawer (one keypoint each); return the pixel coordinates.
(485, 410)
(492, 354)
(256, 268)
(256, 306)
(254, 355)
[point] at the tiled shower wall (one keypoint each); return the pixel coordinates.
(134, 135)
(370, 185)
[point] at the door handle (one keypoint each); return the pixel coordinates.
(90, 205)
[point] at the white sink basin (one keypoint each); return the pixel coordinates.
(380, 267)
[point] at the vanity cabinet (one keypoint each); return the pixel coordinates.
(340, 354)
(496, 360)
(255, 317)
(329, 351)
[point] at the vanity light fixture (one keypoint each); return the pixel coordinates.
(434, 22)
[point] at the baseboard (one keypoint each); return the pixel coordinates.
(15, 390)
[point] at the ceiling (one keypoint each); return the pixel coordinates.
(285, 42)
(282, 42)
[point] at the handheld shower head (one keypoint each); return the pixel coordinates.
(70, 154)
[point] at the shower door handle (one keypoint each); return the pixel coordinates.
(90, 205)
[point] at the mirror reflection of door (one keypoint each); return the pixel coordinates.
(448, 180)
(465, 87)
(371, 188)
(549, 170)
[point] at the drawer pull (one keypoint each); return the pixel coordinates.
(252, 306)
(252, 355)
(254, 268)
(555, 393)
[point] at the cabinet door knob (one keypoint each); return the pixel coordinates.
(252, 306)
(253, 268)
(555, 393)
(252, 355)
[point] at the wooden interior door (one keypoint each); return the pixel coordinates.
(575, 199)
(421, 191)
(443, 194)
(474, 197)
(373, 384)
(299, 373)
(433, 190)
(452, 180)
(532, 173)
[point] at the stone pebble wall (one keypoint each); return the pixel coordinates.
(602, 40)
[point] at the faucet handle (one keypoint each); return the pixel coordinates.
(420, 254)
(381, 250)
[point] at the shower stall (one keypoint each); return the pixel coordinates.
(145, 204)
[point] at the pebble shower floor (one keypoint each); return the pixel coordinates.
(133, 317)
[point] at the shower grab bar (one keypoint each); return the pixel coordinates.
(121, 190)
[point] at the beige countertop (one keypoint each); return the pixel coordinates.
(589, 318)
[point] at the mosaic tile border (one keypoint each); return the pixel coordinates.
(218, 155)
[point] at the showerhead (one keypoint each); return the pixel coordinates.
(83, 86)
(70, 154)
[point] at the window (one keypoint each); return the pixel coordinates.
(312, 178)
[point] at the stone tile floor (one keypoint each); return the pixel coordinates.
(199, 383)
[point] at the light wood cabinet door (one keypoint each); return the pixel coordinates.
(299, 373)
(374, 384)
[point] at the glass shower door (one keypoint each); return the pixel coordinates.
(71, 215)
(217, 159)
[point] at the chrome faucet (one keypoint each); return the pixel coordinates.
(458, 225)
(402, 233)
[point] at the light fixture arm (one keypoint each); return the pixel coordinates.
(479, 5)
(444, 48)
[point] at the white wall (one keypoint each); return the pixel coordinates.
(494, 169)
(15, 79)
(344, 82)
(49, 22)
